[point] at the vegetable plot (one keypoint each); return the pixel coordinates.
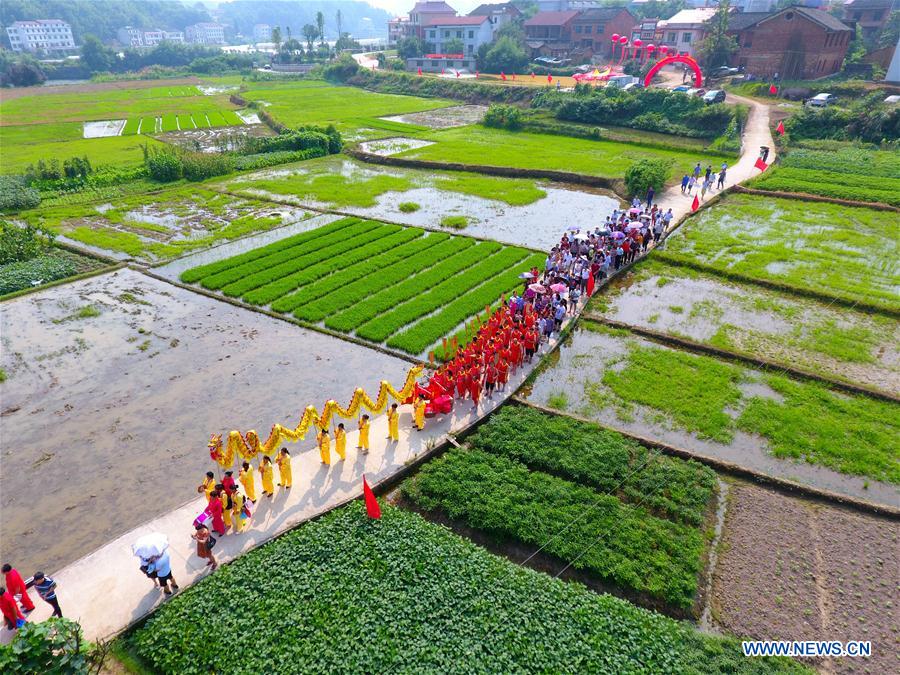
(386, 282)
(345, 594)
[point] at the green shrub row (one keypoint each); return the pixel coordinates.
(615, 542)
(384, 300)
(300, 270)
(262, 160)
(385, 277)
(601, 459)
(401, 595)
(34, 272)
(419, 337)
(15, 195)
(232, 274)
(845, 159)
(438, 296)
(848, 186)
(321, 298)
(329, 273)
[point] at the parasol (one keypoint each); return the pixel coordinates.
(150, 545)
(526, 275)
(537, 288)
(558, 288)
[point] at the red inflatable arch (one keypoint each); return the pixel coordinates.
(680, 58)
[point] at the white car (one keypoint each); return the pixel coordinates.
(822, 100)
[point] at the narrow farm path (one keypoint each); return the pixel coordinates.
(106, 592)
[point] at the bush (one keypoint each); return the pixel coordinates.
(503, 116)
(645, 173)
(27, 273)
(163, 164)
(15, 195)
(202, 165)
(23, 243)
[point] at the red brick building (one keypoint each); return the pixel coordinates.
(592, 29)
(549, 33)
(798, 43)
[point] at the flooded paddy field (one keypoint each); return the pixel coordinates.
(443, 118)
(114, 385)
(215, 139)
(790, 569)
(790, 429)
(518, 211)
(165, 224)
(836, 342)
(841, 251)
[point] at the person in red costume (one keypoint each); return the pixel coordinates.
(16, 586)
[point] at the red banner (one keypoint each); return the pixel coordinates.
(372, 507)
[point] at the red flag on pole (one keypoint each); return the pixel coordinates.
(590, 285)
(549, 78)
(696, 203)
(514, 77)
(760, 164)
(503, 76)
(780, 128)
(532, 74)
(420, 72)
(372, 507)
(476, 74)
(773, 89)
(442, 71)
(457, 73)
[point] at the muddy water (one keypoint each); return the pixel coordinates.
(443, 118)
(391, 146)
(767, 324)
(105, 419)
(585, 358)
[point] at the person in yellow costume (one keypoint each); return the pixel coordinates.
(226, 506)
(208, 484)
(247, 476)
(363, 434)
(340, 441)
(393, 416)
(419, 409)
(325, 446)
(266, 473)
(284, 467)
(237, 505)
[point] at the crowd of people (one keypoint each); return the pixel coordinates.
(15, 603)
(703, 180)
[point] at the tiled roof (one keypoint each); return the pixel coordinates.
(454, 20)
(551, 18)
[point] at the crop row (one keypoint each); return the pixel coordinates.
(385, 325)
(419, 337)
(132, 124)
(350, 319)
(614, 542)
(370, 244)
(364, 288)
(829, 184)
(605, 460)
(285, 257)
(325, 297)
(197, 273)
(344, 594)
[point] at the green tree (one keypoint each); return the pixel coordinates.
(320, 25)
(96, 57)
(276, 38)
(454, 46)
(718, 46)
(644, 173)
(504, 55)
(891, 31)
(411, 47)
(310, 32)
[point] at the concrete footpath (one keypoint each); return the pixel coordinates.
(106, 592)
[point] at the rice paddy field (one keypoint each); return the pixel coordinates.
(801, 333)
(838, 251)
(180, 122)
(400, 286)
(162, 225)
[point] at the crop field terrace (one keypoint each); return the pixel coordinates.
(401, 286)
(180, 122)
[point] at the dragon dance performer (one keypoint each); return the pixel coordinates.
(393, 417)
(340, 441)
(284, 467)
(363, 434)
(324, 446)
(208, 484)
(419, 413)
(248, 479)
(266, 473)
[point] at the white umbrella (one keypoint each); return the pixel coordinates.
(150, 545)
(526, 275)
(633, 226)
(537, 288)
(573, 228)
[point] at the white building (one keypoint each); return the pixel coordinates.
(43, 35)
(472, 31)
(262, 32)
(130, 36)
(205, 34)
(684, 30)
(154, 37)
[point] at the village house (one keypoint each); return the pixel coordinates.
(500, 14)
(684, 30)
(413, 25)
(472, 31)
(549, 34)
(869, 15)
(592, 29)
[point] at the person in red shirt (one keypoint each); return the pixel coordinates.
(502, 373)
(475, 386)
(490, 379)
(462, 383)
(16, 586)
(11, 614)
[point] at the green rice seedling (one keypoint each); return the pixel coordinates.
(169, 123)
(131, 126)
(408, 207)
(455, 222)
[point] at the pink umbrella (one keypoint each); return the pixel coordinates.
(634, 210)
(537, 288)
(558, 288)
(633, 226)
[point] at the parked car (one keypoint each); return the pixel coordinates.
(893, 98)
(697, 91)
(683, 88)
(723, 71)
(550, 61)
(821, 100)
(714, 96)
(631, 86)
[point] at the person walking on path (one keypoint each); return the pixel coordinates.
(162, 565)
(205, 542)
(697, 171)
(363, 441)
(266, 474)
(46, 588)
(208, 484)
(419, 409)
(393, 417)
(16, 586)
(708, 173)
(324, 441)
(340, 441)
(691, 183)
(217, 510)
(650, 193)
(685, 179)
(284, 468)
(721, 182)
(12, 616)
(237, 510)
(248, 479)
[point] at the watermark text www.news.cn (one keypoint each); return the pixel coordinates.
(807, 648)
